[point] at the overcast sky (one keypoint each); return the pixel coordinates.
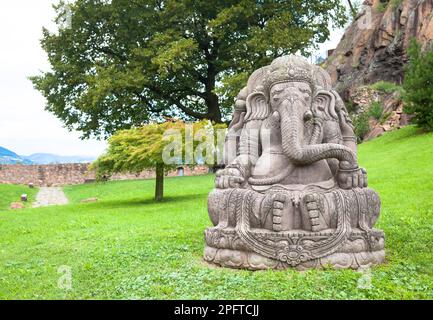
(25, 127)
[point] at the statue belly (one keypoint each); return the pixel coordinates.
(313, 173)
(269, 165)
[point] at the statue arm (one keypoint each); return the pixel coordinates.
(232, 140)
(231, 145)
(345, 124)
(337, 129)
(349, 140)
(238, 170)
(249, 146)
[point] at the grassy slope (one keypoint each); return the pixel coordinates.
(12, 193)
(126, 246)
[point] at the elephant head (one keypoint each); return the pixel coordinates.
(293, 94)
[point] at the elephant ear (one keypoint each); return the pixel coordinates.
(257, 106)
(255, 81)
(324, 105)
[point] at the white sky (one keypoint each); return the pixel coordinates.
(25, 127)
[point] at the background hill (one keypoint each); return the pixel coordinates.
(48, 158)
(9, 157)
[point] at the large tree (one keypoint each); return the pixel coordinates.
(122, 63)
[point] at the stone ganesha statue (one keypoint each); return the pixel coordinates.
(292, 193)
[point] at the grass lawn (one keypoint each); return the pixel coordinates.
(127, 247)
(12, 193)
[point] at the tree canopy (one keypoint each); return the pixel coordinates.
(161, 146)
(124, 63)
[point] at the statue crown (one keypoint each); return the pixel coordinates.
(289, 69)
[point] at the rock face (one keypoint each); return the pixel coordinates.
(292, 194)
(393, 117)
(374, 46)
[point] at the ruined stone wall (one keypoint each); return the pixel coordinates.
(72, 173)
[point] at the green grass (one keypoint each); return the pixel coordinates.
(125, 246)
(386, 86)
(12, 193)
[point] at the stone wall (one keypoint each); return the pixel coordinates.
(72, 173)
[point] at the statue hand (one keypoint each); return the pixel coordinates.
(230, 177)
(352, 178)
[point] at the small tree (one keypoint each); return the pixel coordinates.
(418, 86)
(159, 147)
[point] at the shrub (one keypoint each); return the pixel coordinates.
(376, 110)
(351, 107)
(362, 126)
(418, 86)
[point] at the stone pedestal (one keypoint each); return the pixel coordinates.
(224, 248)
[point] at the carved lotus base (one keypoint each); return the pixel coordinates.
(362, 249)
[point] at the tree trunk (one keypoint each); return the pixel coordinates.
(214, 108)
(212, 101)
(159, 186)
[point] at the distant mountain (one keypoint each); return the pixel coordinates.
(48, 158)
(10, 157)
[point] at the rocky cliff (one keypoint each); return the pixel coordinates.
(374, 46)
(373, 49)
